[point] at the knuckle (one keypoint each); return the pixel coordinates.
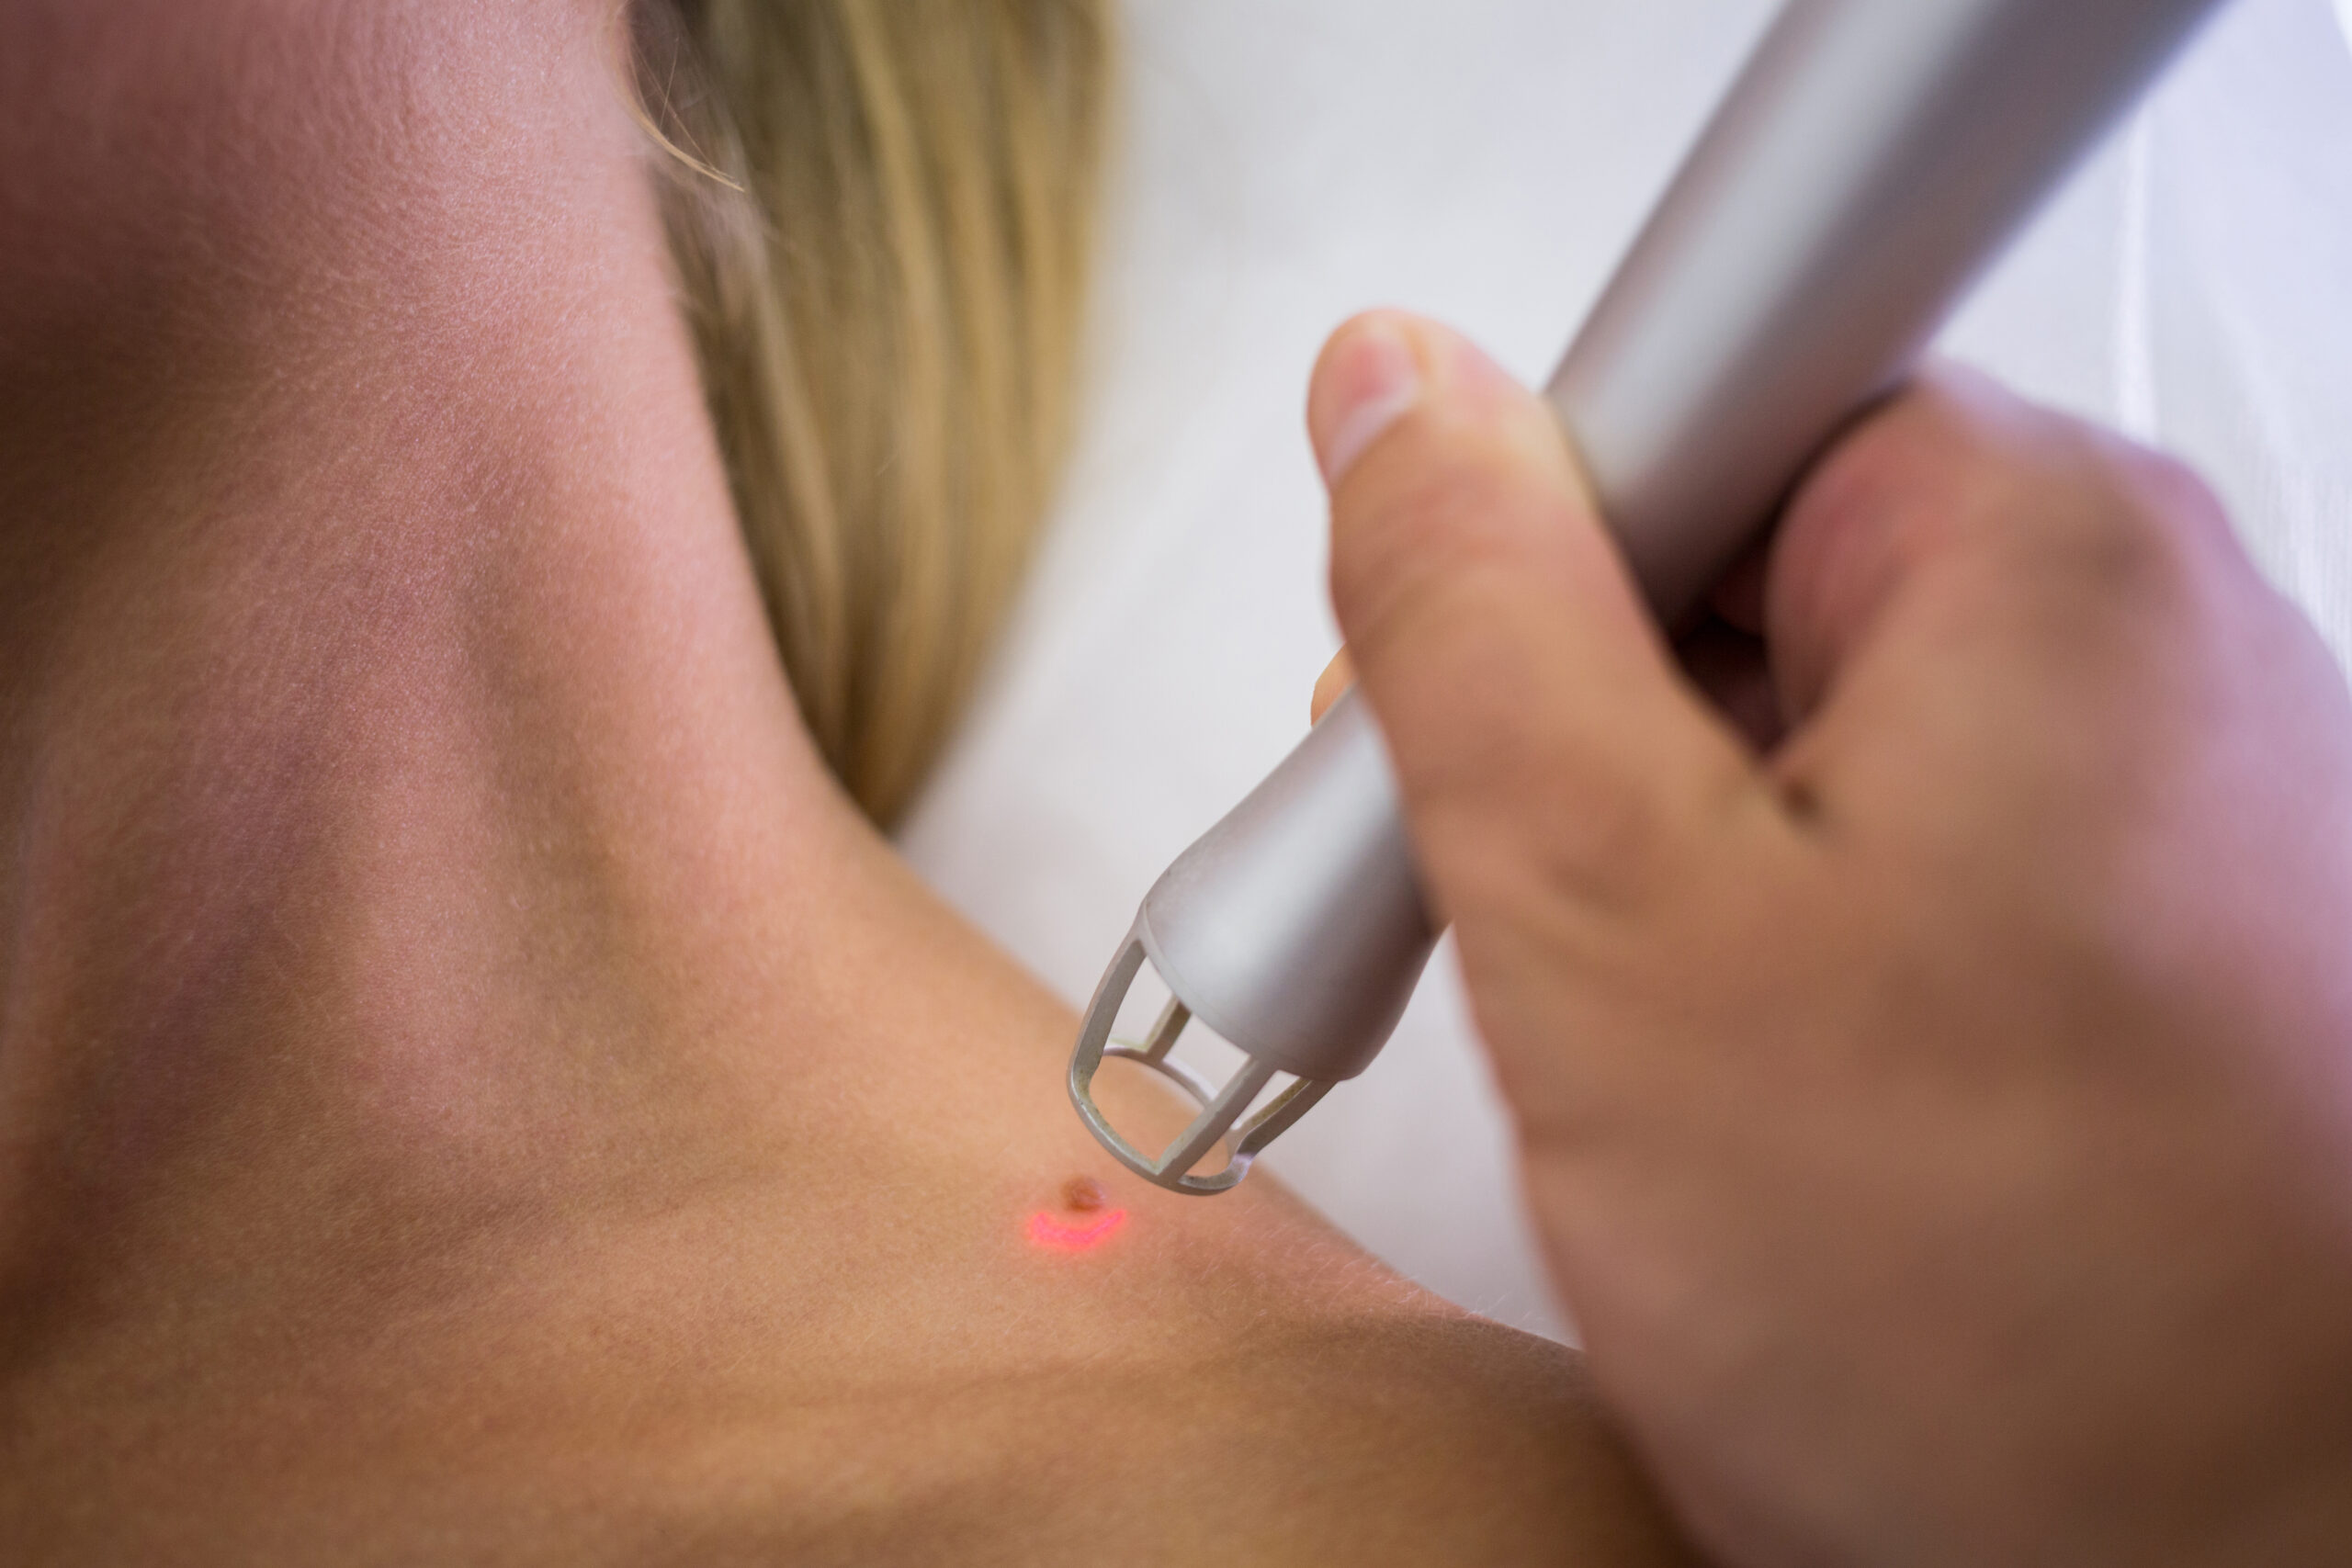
(2093, 515)
(2175, 495)
(2037, 492)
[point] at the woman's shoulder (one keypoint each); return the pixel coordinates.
(1390, 1438)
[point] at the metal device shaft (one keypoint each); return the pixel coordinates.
(1871, 158)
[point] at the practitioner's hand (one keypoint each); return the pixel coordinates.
(1942, 1124)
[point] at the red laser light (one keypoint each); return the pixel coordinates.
(1046, 1231)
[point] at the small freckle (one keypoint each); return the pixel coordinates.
(1083, 1194)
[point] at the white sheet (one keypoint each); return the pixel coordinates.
(1287, 163)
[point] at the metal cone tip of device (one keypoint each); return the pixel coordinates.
(1220, 1107)
(1294, 930)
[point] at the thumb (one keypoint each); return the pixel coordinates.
(1537, 721)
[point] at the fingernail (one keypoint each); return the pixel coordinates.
(1368, 378)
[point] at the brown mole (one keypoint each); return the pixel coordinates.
(1083, 1194)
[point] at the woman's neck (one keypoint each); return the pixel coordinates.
(389, 736)
(468, 1083)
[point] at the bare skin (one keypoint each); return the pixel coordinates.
(470, 1088)
(1939, 1117)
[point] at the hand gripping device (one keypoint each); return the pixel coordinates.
(1871, 159)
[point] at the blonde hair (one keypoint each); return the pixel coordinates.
(882, 214)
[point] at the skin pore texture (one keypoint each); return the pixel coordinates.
(471, 1089)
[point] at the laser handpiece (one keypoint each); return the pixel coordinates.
(1871, 159)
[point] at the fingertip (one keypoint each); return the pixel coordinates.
(1367, 376)
(1337, 677)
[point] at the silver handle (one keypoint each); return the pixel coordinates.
(1872, 158)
